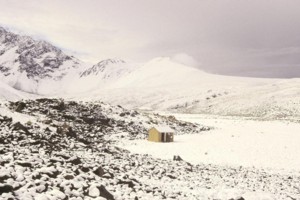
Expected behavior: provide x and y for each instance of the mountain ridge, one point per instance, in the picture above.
(160, 84)
(24, 59)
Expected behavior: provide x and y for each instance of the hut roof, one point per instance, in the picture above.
(164, 129)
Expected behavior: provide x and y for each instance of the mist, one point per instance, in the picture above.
(258, 38)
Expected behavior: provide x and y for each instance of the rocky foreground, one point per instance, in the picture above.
(51, 149)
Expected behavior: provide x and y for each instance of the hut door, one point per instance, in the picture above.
(168, 138)
(163, 137)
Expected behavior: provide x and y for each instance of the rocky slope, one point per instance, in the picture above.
(51, 149)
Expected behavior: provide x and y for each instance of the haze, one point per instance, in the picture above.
(246, 38)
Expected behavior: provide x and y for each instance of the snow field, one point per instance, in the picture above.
(237, 142)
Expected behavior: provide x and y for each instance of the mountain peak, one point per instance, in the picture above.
(33, 60)
(102, 65)
(160, 59)
(111, 61)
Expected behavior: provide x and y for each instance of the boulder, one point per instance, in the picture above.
(6, 188)
(20, 106)
(177, 158)
(104, 193)
(99, 171)
(18, 126)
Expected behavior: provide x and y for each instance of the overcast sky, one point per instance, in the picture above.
(237, 37)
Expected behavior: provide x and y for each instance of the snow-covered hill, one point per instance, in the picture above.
(165, 85)
(8, 93)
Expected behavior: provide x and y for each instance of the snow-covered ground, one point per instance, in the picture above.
(233, 142)
(40, 160)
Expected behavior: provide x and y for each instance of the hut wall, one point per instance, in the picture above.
(154, 135)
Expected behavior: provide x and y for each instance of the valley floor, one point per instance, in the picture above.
(233, 141)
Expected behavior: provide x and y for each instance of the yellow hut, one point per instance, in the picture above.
(161, 134)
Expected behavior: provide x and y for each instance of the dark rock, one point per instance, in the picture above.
(47, 121)
(104, 193)
(182, 124)
(63, 156)
(2, 141)
(38, 176)
(71, 133)
(44, 100)
(2, 150)
(88, 120)
(69, 177)
(105, 122)
(53, 160)
(171, 176)
(177, 158)
(25, 164)
(106, 150)
(60, 106)
(75, 161)
(47, 130)
(3, 178)
(84, 141)
(18, 126)
(20, 106)
(134, 113)
(6, 189)
(73, 103)
(99, 171)
(69, 117)
(129, 183)
(85, 169)
(6, 119)
(122, 114)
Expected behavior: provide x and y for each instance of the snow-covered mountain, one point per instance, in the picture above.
(160, 84)
(99, 76)
(31, 65)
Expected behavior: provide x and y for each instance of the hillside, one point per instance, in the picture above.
(164, 85)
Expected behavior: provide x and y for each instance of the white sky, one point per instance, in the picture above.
(240, 37)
